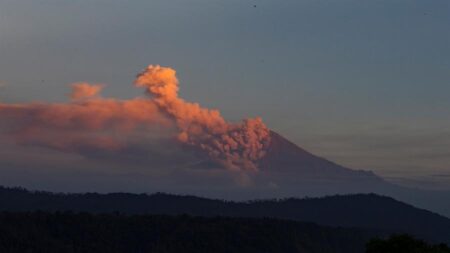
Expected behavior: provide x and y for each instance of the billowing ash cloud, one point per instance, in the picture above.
(90, 122)
(96, 123)
(84, 90)
(233, 145)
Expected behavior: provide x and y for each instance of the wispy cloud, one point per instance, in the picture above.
(442, 175)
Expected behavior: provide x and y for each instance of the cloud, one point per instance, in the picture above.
(441, 175)
(84, 90)
(80, 126)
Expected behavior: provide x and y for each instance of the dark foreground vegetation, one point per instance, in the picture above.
(69, 232)
(404, 244)
(367, 211)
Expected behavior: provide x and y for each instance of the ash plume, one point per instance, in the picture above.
(91, 122)
(236, 146)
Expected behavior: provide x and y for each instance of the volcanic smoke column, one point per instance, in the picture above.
(235, 146)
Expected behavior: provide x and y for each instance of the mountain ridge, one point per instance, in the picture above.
(368, 211)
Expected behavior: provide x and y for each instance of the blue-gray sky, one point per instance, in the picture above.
(363, 83)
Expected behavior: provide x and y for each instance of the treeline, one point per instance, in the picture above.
(43, 232)
(404, 244)
(83, 232)
(359, 210)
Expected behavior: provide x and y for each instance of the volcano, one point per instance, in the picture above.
(284, 160)
(164, 143)
(284, 155)
(293, 171)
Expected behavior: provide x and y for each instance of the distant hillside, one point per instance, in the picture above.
(361, 210)
(70, 233)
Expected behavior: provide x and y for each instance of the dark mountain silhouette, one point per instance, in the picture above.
(284, 159)
(286, 156)
(368, 211)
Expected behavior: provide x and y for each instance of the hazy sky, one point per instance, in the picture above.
(363, 83)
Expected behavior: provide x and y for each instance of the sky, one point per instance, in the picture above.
(362, 83)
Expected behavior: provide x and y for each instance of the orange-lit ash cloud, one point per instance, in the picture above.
(91, 122)
(236, 146)
(87, 124)
(84, 90)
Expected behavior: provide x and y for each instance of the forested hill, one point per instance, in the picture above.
(361, 210)
(83, 232)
